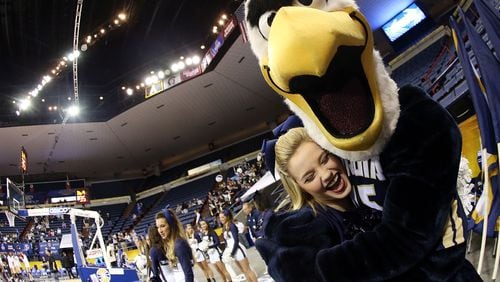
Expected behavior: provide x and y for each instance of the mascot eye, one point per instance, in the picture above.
(316, 4)
(265, 22)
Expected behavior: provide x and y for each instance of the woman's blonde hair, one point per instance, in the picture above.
(176, 232)
(285, 147)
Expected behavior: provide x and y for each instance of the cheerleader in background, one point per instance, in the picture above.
(198, 256)
(210, 246)
(234, 249)
(176, 248)
(156, 256)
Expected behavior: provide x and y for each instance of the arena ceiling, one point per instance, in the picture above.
(122, 136)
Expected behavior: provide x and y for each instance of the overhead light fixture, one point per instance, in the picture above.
(122, 16)
(73, 111)
(129, 91)
(196, 59)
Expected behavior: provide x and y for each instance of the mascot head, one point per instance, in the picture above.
(318, 55)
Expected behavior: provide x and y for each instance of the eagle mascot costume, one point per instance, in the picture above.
(401, 149)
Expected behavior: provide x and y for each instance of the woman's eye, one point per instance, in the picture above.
(265, 22)
(309, 179)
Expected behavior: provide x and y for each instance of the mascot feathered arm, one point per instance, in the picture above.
(421, 163)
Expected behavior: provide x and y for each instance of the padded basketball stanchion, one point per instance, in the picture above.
(11, 218)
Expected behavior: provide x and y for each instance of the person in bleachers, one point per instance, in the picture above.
(210, 246)
(178, 254)
(199, 256)
(234, 250)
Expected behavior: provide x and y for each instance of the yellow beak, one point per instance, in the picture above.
(305, 42)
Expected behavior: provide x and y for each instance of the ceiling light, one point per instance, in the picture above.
(18, 113)
(221, 22)
(181, 57)
(101, 98)
(137, 87)
(14, 101)
(196, 59)
(224, 17)
(24, 104)
(161, 75)
(69, 98)
(181, 65)
(116, 21)
(174, 67)
(50, 108)
(43, 100)
(102, 30)
(189, 61)
(122, 16)
(73, 111)
(148, 80)
(129, 91)
(123, 87)
(54, 108)
(202, 47)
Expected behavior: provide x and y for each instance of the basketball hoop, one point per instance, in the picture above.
(11, 218)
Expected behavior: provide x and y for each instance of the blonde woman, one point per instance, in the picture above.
(322, 213)
(176, 249)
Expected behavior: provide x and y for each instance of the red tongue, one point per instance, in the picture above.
(347, 109)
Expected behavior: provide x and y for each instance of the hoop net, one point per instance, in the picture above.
(11, 218)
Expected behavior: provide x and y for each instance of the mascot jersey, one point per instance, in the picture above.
(319, 56)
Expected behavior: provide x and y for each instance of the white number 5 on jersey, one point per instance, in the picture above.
(365, 191)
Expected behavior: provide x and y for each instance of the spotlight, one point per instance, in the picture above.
(18, 113)
(161, 75)
(148, 80)
(224, 17)
(50, 108)
(202, 47)
(122, 16)
(116, 21)
(181, 65)
(137, 87)
(221, 22)
(24, 104)
(73, 111)
(89, 39)
(101, 98)
(43, 100)
(189, 61)
(54, 108)
(181, 57)
(196, 59)
(167, 72)
(69, 98)
(102, 31)
(130, 91)
(84, 47)
(123, 87)
(174, 67)
(14, 101)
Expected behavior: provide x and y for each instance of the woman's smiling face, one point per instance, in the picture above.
(319, 173)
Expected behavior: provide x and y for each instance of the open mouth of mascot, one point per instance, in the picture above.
(341, 98)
